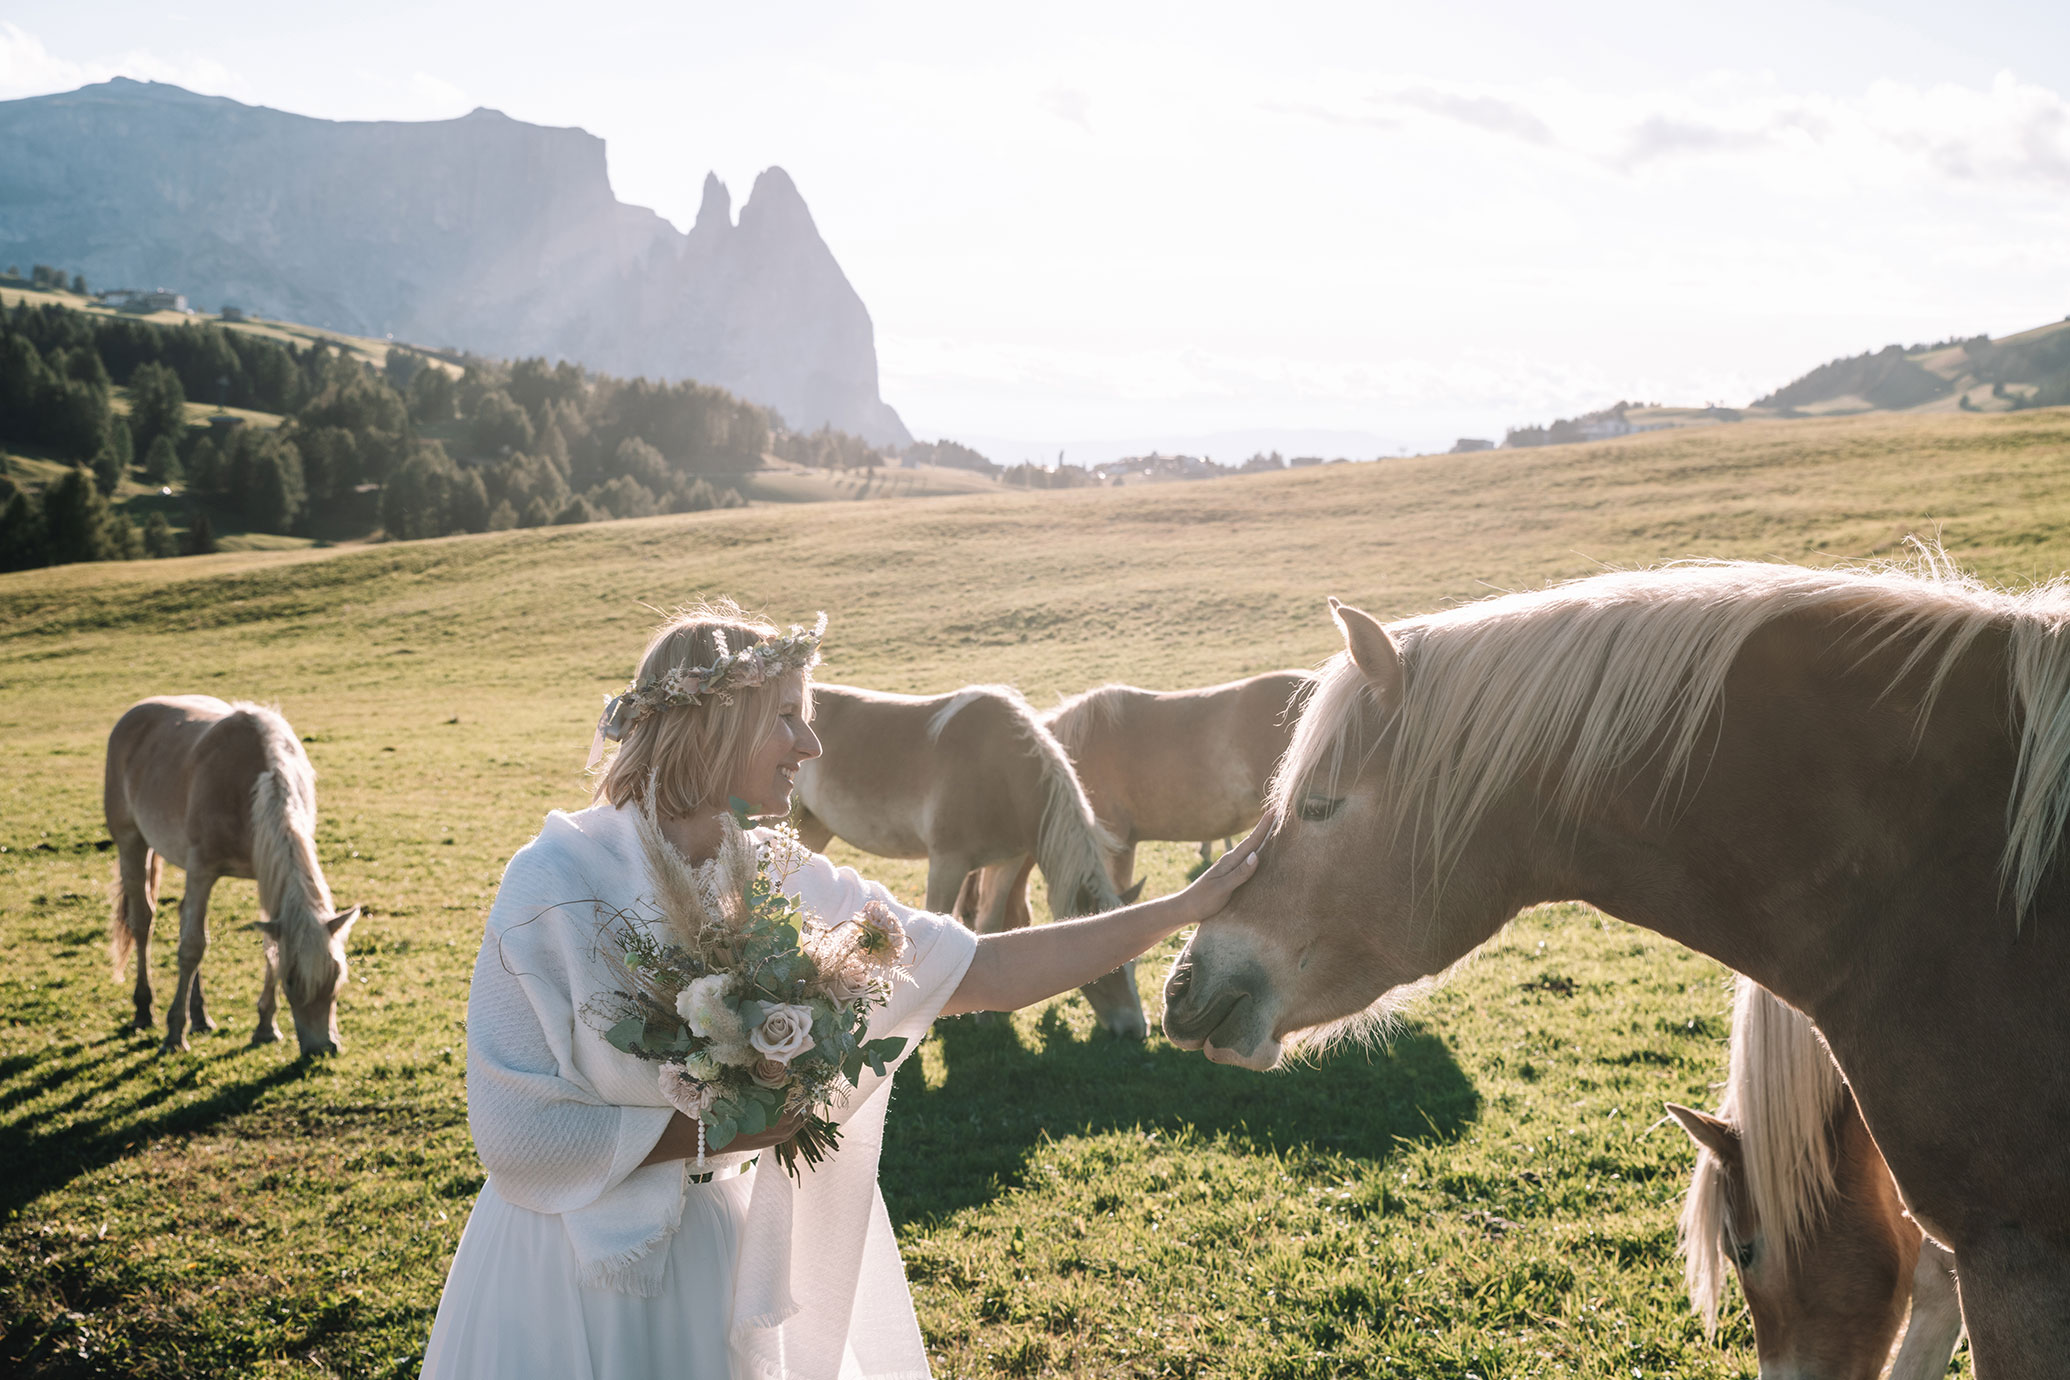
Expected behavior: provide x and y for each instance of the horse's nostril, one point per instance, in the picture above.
(1180, 980)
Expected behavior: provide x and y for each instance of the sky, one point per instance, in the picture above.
(1348, 229)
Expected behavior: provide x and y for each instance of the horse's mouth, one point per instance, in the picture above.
(1231, 1032)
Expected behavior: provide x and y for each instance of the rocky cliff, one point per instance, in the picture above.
(483, 233)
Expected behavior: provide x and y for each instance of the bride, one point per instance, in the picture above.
(605, 1245)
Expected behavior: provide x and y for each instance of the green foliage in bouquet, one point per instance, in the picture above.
(754, 1008)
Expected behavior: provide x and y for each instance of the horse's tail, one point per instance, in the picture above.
(122, 936)
(284, 822)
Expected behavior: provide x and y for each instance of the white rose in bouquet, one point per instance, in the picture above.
(785, 1032)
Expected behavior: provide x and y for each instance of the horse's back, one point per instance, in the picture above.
(1181, 764)
(908, 775)
(181, 769)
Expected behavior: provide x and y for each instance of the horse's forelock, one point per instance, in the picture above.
(1328, 734)
(1782, 1092)
(1702, 1232)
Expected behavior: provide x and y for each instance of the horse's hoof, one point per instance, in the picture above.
(201, 1027)
(266, 1035)
(171, 1046)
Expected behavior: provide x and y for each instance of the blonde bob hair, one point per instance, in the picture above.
(687, 756)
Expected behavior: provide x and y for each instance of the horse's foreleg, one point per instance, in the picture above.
(2015, 1286)
(1936, 1322)
(267, 1032)
(193, 948)
(1003, 897)
(197, 1010)
(945, 874)
(1121, 868)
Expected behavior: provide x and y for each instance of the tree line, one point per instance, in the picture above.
(433, 445)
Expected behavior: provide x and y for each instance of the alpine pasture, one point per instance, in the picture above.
(1491, 1194)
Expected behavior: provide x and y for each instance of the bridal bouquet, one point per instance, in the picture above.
(753, 1007)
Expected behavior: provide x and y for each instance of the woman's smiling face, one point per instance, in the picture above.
(766, 778)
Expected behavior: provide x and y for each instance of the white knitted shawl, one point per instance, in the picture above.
(562, 1120)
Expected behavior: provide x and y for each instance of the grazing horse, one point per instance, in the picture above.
(1849, 784)
(223, 790)
(962, 780)
(1163, 764)
(1790, 1190)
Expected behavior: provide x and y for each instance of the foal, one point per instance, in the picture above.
(223, 790)
(962, 780)
(1789, 1188)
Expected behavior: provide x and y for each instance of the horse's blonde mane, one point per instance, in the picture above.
(1071, 846)
(292, 889)
(1780, 1095)
(1588, 677)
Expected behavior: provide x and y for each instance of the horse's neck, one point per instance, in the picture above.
(1816, 809)
(291, 880)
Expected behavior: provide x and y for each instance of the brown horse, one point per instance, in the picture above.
(223, 790)
(1790, 1191)
(962, 780)
(1161, 764)
(1850, 785)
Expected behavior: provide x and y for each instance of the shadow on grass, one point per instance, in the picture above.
(58, 1144)
(958, 1145)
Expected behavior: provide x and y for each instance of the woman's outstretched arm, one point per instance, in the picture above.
(1019, 967)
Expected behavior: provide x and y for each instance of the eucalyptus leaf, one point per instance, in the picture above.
(626, 1034)
(754, 1119)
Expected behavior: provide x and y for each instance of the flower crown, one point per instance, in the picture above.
(751, 666)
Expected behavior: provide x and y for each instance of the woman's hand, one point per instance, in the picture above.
(768, 1136)
(1212, 889)
(679, 1140)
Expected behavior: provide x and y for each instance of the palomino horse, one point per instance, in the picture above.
(1789, 1189)
(1163, 764)
(1850, 785)
(962, 780)
(223, 790)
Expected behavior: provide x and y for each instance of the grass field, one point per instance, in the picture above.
(1492, 1195)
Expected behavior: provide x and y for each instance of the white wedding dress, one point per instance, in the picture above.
(570, 1267)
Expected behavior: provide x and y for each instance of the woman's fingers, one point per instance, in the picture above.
(1245, 854)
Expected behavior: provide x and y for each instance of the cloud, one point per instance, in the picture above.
(1306, 111)
(27, 68)
(1489, 114)
(1664, 136)
(1069, 104)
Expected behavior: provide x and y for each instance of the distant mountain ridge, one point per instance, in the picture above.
(484, 232)
(2029, 369)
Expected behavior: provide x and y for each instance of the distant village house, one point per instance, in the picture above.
(138, 300)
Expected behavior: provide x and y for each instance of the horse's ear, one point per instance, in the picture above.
(1372, 650)
(1714, 1134)
(1128, 898)
(341, 924)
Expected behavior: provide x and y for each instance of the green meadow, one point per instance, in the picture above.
(1491, 1194)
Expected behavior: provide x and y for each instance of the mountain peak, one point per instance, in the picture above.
(775, 205)
(715, 211)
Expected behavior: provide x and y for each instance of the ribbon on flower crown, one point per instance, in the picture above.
(745, 669)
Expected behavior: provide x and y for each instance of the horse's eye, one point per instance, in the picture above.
(1744, 1254)
(1315, 809)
